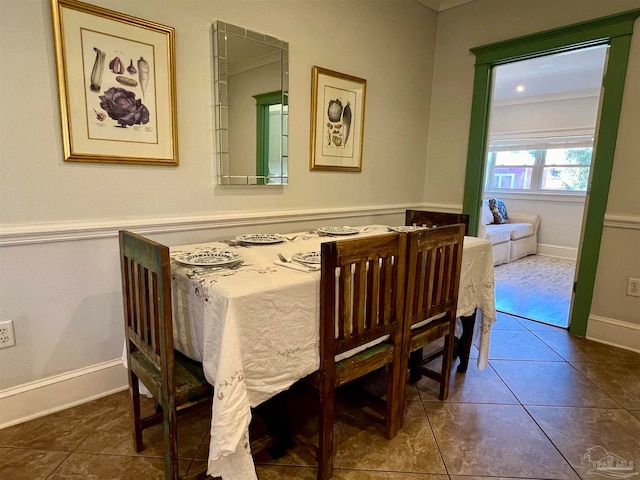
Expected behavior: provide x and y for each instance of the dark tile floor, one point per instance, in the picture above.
(548, 406)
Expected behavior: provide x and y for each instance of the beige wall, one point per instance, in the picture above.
(388, 43)
(487, 21)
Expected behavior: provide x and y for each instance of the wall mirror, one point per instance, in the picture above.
(251, 92)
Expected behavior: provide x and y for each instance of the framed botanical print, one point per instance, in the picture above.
(337, 120)
(116, 83)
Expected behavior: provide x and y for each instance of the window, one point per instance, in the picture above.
(557, 164)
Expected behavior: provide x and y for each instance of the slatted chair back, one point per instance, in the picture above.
(146, 280)
(176, 382)
(433, 280)
(361, 298)
(438, 219)
(361, 326)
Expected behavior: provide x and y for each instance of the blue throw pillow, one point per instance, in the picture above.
(503, 210)
(499, 211)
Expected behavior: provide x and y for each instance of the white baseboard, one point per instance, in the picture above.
(557, 251)
(614, 332)
(42, 397)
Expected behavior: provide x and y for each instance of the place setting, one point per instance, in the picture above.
(207, 260)
(302, 261)
(260, 238)
(408, 228)
(250, 239)
(340, 231)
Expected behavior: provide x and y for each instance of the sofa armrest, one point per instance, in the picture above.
(533, 218)
(482, 230)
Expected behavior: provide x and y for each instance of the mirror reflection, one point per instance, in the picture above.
(251, 106)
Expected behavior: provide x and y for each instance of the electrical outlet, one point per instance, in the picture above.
(633, 287)
(7, 337)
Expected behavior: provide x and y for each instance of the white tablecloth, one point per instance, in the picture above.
(477, 291)
(256, 331)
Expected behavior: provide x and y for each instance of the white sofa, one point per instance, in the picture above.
(513, 240)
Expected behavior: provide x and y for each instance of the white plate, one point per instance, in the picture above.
(407, 228)
(208, 258)
(260, 238)
(312, 258)
(338, 230)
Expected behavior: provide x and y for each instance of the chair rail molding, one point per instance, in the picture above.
(25, 234)
(625, 222)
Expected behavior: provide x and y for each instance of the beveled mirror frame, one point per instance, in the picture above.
(222, 31)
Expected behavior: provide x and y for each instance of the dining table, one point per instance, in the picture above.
(252, 319)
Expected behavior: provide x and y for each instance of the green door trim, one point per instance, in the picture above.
(263, 102)
(614, 30)
(574, 36)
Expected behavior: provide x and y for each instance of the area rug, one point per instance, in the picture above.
(537, 287)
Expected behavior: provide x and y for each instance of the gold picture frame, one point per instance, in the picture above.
(337, 120)
(116, 85)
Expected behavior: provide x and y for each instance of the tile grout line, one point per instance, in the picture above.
(58, 466)
(435, 438)
(524, 407)
(566, 361)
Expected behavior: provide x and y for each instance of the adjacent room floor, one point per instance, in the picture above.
(549, 406)
(536, 287)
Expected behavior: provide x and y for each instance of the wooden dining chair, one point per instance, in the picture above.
(438, 219)
(429, 218)
(361, 326)
(434, 259)
(176, 382)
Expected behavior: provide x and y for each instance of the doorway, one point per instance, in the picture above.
(615, 31)
(542, 121)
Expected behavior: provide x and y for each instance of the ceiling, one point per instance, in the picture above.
(562, 75)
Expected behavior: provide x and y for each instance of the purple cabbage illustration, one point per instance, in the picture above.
(121, 105)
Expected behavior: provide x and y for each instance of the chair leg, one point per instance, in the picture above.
(134, 399)
(395, 399)
(170, 426)
(447, 360)
(415, 361)
(325, 434)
